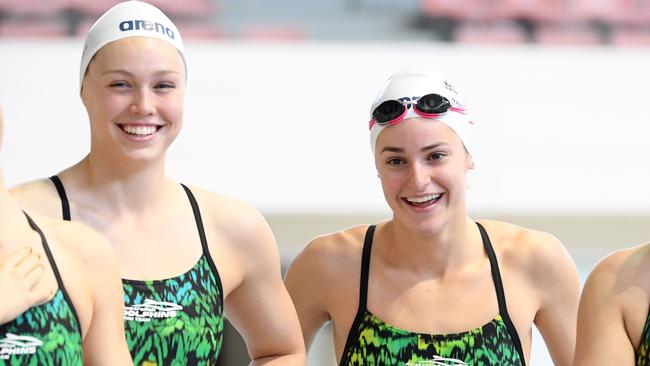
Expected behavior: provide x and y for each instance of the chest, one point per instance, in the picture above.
(433, 304)
(151, 245)
(406, 305)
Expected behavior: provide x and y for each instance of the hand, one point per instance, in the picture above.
(21, 287)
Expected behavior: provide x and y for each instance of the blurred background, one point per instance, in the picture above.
(279, 91)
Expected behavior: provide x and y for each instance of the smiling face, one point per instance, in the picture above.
(423, 165)
(133, 93)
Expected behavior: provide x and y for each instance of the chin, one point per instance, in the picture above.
(143, 156)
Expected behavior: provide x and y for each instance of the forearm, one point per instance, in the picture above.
(298, 359)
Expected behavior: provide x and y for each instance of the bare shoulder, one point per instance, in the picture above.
(88, 248)
(337, 246)
(621, 270)
(325, 274)
(333, 255)
(234, 220)
(538, 254)
(523, 244)
(520, 239)
(38, 196)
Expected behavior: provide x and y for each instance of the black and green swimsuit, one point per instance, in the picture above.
(47, 334)
(372, 342)
(175, 321)
(643, 351)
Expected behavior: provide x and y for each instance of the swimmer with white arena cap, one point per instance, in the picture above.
(431, 285)
(186, 255)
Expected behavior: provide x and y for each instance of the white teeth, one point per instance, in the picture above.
(424, 198)
(139, 130)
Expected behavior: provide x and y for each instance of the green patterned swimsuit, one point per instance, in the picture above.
(372, 342)
(47, 334)
(177, 321)
(643, 352)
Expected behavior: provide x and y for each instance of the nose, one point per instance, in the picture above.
(143, 103)
(418, 176)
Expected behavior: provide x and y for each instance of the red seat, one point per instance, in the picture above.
(555, 35)
(496, 10)
(185, 8)
(173, 8)
(194, 30)
(539, 11)
(631, 38)
(607, 11)
(22, 29)
(92, 8)
(494, 34)
(33, 7)
(455, 9)
(616, 12)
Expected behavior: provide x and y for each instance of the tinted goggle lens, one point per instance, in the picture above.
(392, 110)
(433, 104)
(388, 111)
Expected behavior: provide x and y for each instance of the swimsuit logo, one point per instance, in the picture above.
(151, 309)
(437, 361)
(129, 25)
(14, 344)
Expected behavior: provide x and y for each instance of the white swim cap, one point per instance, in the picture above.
(129, 19)
(408, 86)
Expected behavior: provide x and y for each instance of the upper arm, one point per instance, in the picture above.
(556, 280)
(260, 307)
(602, 335)
(38, 196)
(303, 279)
(104, 342)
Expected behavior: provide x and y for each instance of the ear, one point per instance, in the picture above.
(470, 162)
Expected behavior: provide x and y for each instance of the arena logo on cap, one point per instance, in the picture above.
(129, 25)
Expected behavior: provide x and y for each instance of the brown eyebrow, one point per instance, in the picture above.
(433, 146)
(424, 149)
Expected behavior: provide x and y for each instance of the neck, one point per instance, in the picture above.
(122, 187)
(13, 226)
(455, 245)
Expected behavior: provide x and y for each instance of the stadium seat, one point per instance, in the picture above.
(567, 35)
(490, 34)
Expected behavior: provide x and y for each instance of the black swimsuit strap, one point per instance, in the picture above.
(204, 240)
(65, 205)
(197, 219)
(498, 286)
(363, 293)
(365, 268)
(55, 269)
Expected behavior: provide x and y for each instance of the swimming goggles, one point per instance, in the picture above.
(391, 112)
